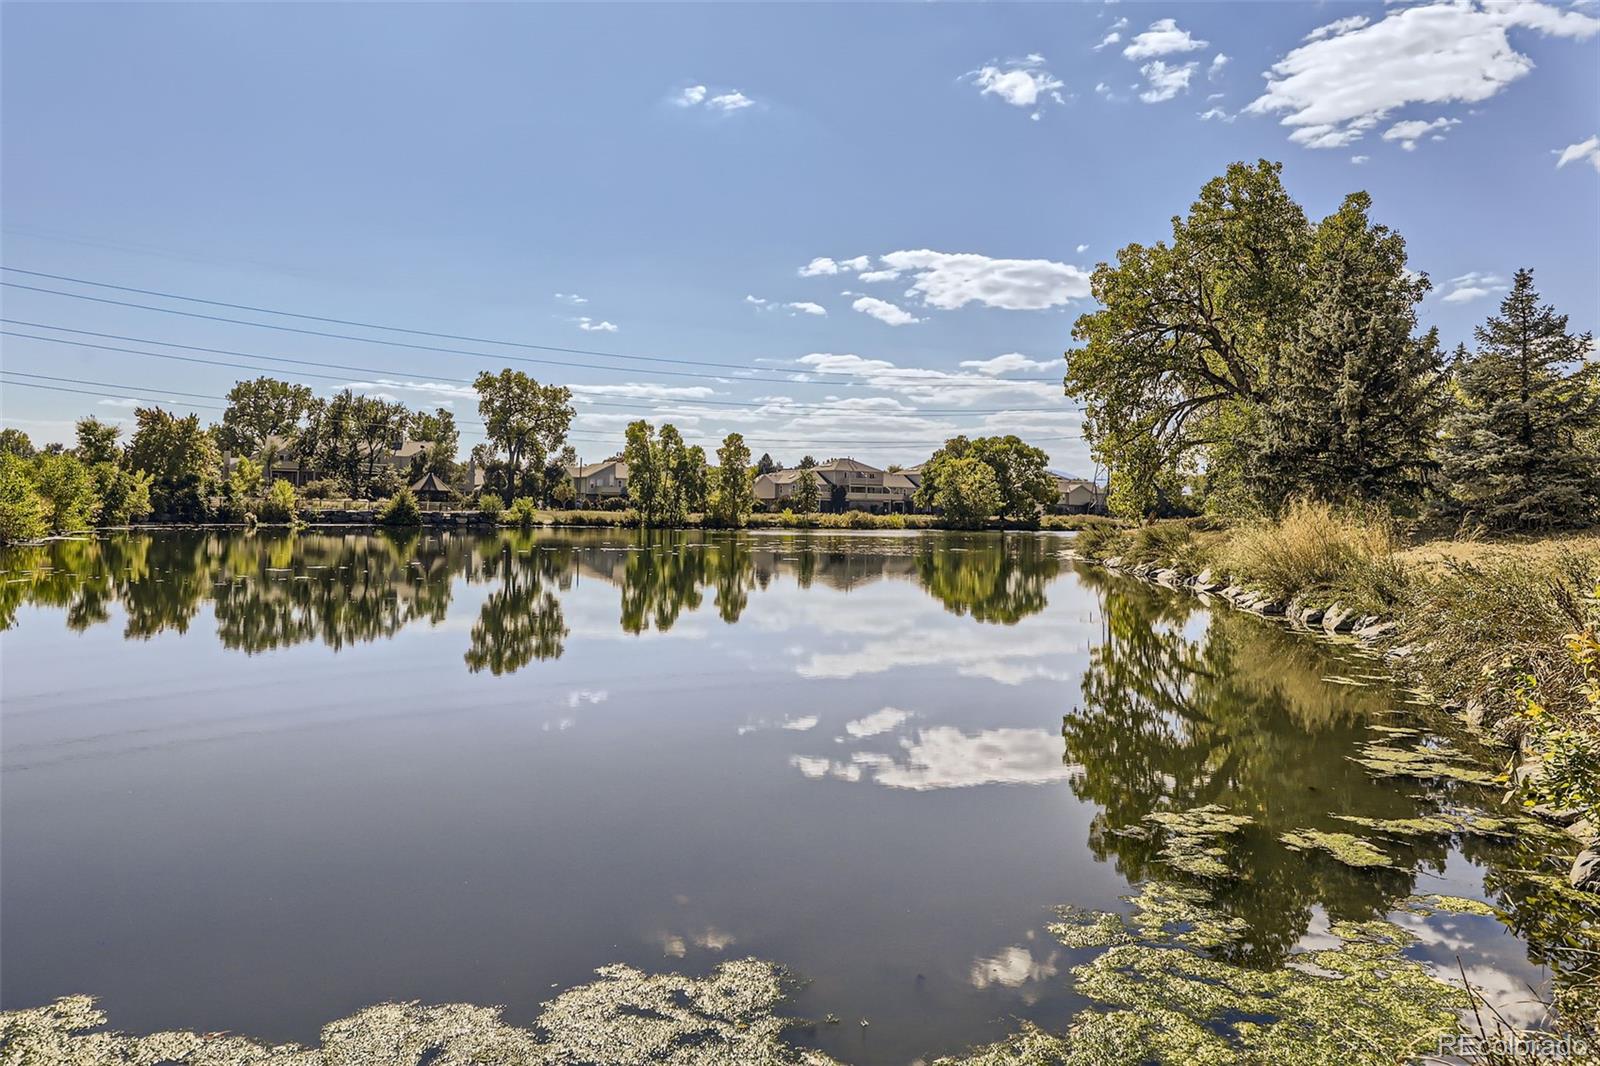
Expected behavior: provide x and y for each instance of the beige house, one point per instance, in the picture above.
(842, 485)
(595, 482)
(1079, 496)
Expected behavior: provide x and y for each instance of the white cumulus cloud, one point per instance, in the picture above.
(1409, 132)
(1161, 39)
(1163, 82)
(589, 325)
(1473, 285)
(1019, 82)
(698, 96)
(807, 307)
(948, 280)
(1008, 363)
(1339, 85)
(1583, 151)
(819, 266)
(884, 311)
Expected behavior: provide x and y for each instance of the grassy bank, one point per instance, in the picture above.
(789, 520)
(1505, 631)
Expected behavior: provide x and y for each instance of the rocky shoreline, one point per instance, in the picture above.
(1335, 620)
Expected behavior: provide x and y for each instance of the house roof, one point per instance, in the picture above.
(591, 469)
(430, 482)
(847, 464)
(895, 480)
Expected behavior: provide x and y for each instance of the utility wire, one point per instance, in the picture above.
(132, 391)
(809, 408)
(744, 373)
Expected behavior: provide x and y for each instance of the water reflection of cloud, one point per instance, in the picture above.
(585, 695)
(800, 724)
(1006, 656)
(880, 721)
(1012, 967)
(710, 939)
(945, 757)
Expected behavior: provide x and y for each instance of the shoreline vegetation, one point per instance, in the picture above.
(1503, 633)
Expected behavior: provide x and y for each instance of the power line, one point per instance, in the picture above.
(744, 372)
(132, 391)
(808, 408)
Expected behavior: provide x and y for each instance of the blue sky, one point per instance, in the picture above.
(905, 188)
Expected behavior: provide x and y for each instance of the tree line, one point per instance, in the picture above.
(1259, 357)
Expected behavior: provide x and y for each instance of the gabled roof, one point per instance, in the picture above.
(594, 468)
(430, 482)
(848, 464)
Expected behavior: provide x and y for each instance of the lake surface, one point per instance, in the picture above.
(256, 782)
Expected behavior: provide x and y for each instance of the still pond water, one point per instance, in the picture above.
(255, 783)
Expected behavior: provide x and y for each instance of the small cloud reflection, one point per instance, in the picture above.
(1013, 967)
(876, 722)
(945, 757)
(710, 939)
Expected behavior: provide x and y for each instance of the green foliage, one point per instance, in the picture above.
(347, 437)
(807, 491)
(15, 442)
(67, 488)
(491, 504)
(259, 409)
(280, 504)
(1256, 342)
(665, 479)
(401, 510)
(1351, 412)
(437, 430)
(321, 489)
(734, 496)
(97, 440)
(968, 492)
(244, 483)
(22, 509)
(181, 459)
(1520, 444)
(124, 494)
(1569, 745)
(523, 513)
(525, 420)
(1024, 484)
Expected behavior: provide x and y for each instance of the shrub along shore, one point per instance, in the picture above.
(1505, 634)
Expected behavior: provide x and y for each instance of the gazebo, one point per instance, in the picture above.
(430, 488)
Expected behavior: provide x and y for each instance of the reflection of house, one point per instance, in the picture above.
(842, 485)
(600, 481)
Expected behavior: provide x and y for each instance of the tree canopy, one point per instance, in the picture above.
(1023, 484)
(525, 420)
(1520, 444)
(1198, 356)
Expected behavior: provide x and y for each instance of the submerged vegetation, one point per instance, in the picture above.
(626, 1018)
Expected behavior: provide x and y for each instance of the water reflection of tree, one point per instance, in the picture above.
(1239, 717)
(281, 590)
(521, 620)
(991, 579)
(666, 575)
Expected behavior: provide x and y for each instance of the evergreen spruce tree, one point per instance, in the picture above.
(1519, 443)
(1353, 407)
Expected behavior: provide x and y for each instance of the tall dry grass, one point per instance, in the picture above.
(1314, 548)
